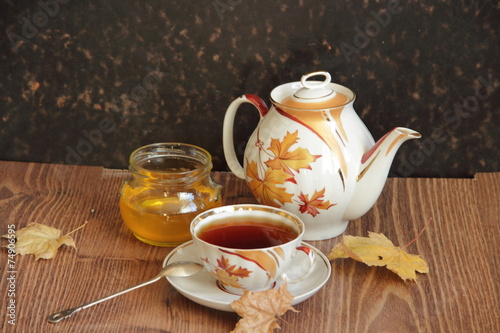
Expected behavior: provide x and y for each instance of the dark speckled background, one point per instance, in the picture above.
(139, 72)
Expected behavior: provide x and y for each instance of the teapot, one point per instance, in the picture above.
(312, 155)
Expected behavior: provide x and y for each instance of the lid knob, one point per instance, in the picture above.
(314, 91)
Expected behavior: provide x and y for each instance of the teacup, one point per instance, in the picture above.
(252, 247)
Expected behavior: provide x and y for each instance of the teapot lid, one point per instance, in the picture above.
(314, 91)
(312, 95)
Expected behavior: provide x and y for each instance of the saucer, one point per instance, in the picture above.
(202, 288)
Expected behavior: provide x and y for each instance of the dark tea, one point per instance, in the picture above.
(247, 235)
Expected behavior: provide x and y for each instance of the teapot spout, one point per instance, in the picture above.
(375, 165)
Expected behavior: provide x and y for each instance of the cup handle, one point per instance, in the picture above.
(312, 262)
(227, 130)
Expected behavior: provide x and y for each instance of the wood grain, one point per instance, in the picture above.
(460, 293)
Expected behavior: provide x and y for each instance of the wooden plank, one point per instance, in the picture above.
(460, 245)
(454, 297)
(488, 198)
(54, 195)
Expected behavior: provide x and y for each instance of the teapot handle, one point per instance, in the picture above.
(227, 130)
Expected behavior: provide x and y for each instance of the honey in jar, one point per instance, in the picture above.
(170, 184)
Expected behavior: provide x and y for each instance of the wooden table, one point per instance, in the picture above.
(460, 293)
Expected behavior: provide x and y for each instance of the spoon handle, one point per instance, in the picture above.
(58, 316)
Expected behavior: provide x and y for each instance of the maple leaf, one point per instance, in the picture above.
(261, 310)
(41, 240)
(231, 269)
(316, 202)
(227, 279)
(286, 159)
(378, 250)
(266, 189)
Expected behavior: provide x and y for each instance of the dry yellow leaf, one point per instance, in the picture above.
(41, 240)
(378, 250)
(260, 310)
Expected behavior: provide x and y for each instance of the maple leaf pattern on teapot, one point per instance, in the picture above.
(283, 164)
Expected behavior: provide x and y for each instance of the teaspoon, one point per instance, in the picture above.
(180, 268)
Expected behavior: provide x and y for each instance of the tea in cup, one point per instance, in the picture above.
(252, 247)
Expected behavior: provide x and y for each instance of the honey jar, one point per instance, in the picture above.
(170, 184)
